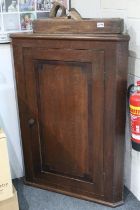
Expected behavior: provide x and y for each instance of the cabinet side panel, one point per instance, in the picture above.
(109, 119)
(23, 107)
(121, 93)
(115, 98)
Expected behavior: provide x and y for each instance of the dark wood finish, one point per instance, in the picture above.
(83, 26)
(71, 94)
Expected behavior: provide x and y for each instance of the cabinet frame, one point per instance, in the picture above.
(115, 79)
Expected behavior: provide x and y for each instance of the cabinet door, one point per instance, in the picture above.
(64, 108)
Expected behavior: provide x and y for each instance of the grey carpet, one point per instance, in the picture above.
(31, 198)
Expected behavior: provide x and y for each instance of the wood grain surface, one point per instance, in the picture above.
(71, 95)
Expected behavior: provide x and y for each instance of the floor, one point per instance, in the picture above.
(36, 199)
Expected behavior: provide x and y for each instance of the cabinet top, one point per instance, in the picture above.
(100, 37)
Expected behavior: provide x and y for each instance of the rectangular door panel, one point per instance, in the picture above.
(62, 117)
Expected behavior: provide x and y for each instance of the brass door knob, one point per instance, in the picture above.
(31, 122)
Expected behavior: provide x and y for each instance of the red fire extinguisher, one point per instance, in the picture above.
(134, 105)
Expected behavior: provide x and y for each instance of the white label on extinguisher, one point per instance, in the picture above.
(135, 124)
(135, 136)
(137, 128)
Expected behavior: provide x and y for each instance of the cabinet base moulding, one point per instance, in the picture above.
(75, 195)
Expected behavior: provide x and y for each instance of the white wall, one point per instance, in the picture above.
(8, 111)
(88, 8)
(130, 10)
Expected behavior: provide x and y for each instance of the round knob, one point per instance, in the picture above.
(31, 122)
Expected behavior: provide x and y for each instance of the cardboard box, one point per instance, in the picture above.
(6, 188)
(11, 203)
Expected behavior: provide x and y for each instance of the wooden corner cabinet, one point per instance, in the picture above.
(71, 95)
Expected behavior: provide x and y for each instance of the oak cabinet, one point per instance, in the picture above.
(71, 95)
